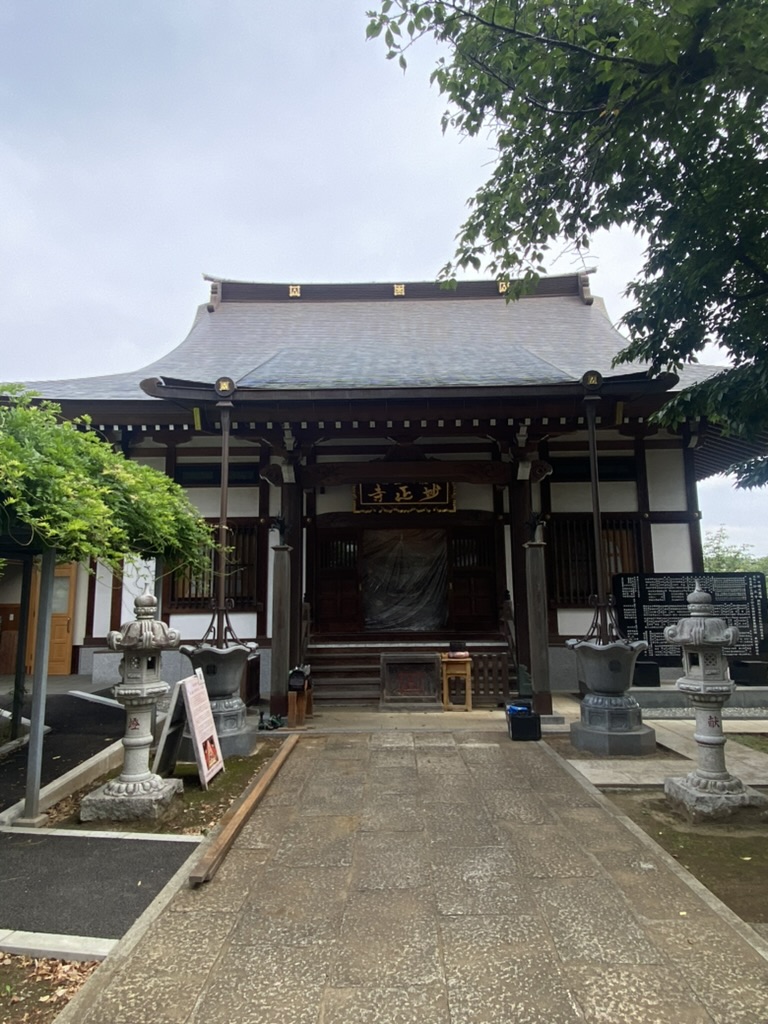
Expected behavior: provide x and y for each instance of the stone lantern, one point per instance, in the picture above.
(138, 792)
(709, 791)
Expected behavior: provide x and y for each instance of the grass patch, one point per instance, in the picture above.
(753, 740)
(196, 812)
(729, 857)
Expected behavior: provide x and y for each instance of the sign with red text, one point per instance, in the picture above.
(201, 727)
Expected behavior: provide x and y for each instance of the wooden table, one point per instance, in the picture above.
(457, 668)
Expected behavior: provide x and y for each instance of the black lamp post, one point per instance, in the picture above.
(221, 655)
(610, 721)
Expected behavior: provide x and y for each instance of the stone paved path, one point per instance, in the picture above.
(434, 878)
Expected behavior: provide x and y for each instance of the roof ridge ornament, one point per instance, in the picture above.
(584, 290)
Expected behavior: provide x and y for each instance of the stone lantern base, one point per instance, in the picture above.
(120, 801)
(702, 799)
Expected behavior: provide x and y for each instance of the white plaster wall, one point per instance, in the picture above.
(615, 496)
(193, 626)
(10, 584)
(478, 497)
(137, 576)
(573, 622)
(671, 547)
(336, 499)
(102, 601)
(80, 623)
(241, 501)
(666, 480)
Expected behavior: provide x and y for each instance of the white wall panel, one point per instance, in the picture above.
(666, 480)
(615, 496)
(671, 547)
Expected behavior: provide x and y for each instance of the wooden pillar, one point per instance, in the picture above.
(281, 627)
(292, 513)
(519, 516)
(538, 627)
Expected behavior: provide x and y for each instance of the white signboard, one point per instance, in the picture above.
(202, 727)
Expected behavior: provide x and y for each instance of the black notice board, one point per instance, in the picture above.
(647, 602)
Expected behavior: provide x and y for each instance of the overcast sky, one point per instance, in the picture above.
(146, 142)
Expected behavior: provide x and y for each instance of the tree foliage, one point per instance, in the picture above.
(604, 113)
(76, 494)
(721, 555)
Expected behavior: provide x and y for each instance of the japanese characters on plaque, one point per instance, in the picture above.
(648, 602)
(404, 497)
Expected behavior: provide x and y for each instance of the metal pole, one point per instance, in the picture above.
(221, 557)
(597, 525)
(21, 650)
(39, 685)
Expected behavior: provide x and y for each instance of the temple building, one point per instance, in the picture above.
(408, 444)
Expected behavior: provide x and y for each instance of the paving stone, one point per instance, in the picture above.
(332, 795)
(387, 938)
(265, 828)
(416, 1004)
(393, 779)
(591, 923)
(319, 841)
(734, 995)
(389, 740)
(598, 832)
(382, 813)
(480, 753)
(440, 789)
(441, 761)
(265, 985)
(141, 996)
(653, 891)
(390, 860)
(503, 898)
(460, 824)
(393, 757)
(432, 740)
(646, 995)
(527, 990)
(517, 807)
(702, 939)
(170, 945)
(486, 887)
(294, 907)
(544, 851)
(489, 941)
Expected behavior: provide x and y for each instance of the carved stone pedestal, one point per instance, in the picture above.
(710, 791)
(222, 670)
(137, 792)
(611, 721)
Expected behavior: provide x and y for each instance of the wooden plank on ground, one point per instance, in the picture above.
(235, 818)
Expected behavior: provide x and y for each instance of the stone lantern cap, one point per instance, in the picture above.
(145, 632)
(701, 628)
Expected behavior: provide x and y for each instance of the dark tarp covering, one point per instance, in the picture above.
(405, 580)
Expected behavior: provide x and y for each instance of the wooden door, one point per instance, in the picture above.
(337, 584)
(62, 614)
(472, 588)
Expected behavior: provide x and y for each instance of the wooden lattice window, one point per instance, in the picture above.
(571, 556)
(188, 591)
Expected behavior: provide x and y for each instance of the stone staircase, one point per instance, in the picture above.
(347, 670)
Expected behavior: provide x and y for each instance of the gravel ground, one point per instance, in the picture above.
(688, 713)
